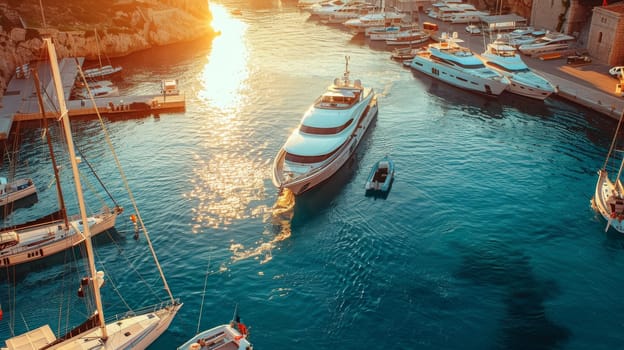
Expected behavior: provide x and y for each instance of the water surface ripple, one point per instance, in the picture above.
(486, 241)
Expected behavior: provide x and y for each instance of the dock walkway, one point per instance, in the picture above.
(20, 102)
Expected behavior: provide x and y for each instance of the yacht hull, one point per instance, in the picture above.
(519, 88)
(456, 77)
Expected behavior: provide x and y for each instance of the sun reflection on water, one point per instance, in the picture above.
(280, 229)
(230, 170)
(226, 72)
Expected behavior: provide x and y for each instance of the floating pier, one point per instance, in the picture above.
(20, 101)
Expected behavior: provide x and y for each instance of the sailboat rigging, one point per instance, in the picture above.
(136, 331)
(56, 232)
(608, 198)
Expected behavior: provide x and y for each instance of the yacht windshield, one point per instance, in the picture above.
(324, 131)
(510, 69)
(295, 158)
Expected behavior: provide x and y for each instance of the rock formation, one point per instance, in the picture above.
(130, 26)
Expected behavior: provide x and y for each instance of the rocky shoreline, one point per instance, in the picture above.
(142, 28)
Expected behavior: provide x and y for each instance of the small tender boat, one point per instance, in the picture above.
(380, 177)
(220, 337)
(232, 336)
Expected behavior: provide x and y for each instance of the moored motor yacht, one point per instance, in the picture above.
(458, 66)
(375, 19)
(522, 80)
(347, 12)
(327, 136)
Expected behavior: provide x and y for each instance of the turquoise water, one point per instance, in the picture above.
(486, 241)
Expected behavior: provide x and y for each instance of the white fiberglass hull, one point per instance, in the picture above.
(611, 210)
(460, 78)
(47, 239)
(135, 332)
(525, 83)
(306, 181)
(519, 87)
(223, 336)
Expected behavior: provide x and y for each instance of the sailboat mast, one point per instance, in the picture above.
(56, 75)
(51, 149)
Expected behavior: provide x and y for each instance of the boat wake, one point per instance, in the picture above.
(281, 216)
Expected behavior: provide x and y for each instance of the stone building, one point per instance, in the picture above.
(606, 34)
(569, 17)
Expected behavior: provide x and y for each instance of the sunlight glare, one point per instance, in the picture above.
(226, 72)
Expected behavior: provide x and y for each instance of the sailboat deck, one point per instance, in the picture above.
(35, 339)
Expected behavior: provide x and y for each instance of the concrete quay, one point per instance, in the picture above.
(20, 101)
(588, 85)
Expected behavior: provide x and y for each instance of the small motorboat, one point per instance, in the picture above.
(380, 178)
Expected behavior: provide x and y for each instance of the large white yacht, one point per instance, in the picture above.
(327, 136)
(549, 43)
(458, 66)
(349, 11)
(522, 80)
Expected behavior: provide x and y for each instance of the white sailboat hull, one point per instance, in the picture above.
(50, 238)
(135, 332)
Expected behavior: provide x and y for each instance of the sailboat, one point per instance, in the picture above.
(56, 232)
(135, 331)
(608, 198)
(101, 71)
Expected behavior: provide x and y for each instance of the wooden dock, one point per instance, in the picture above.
(117, 106)
(20, 101)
